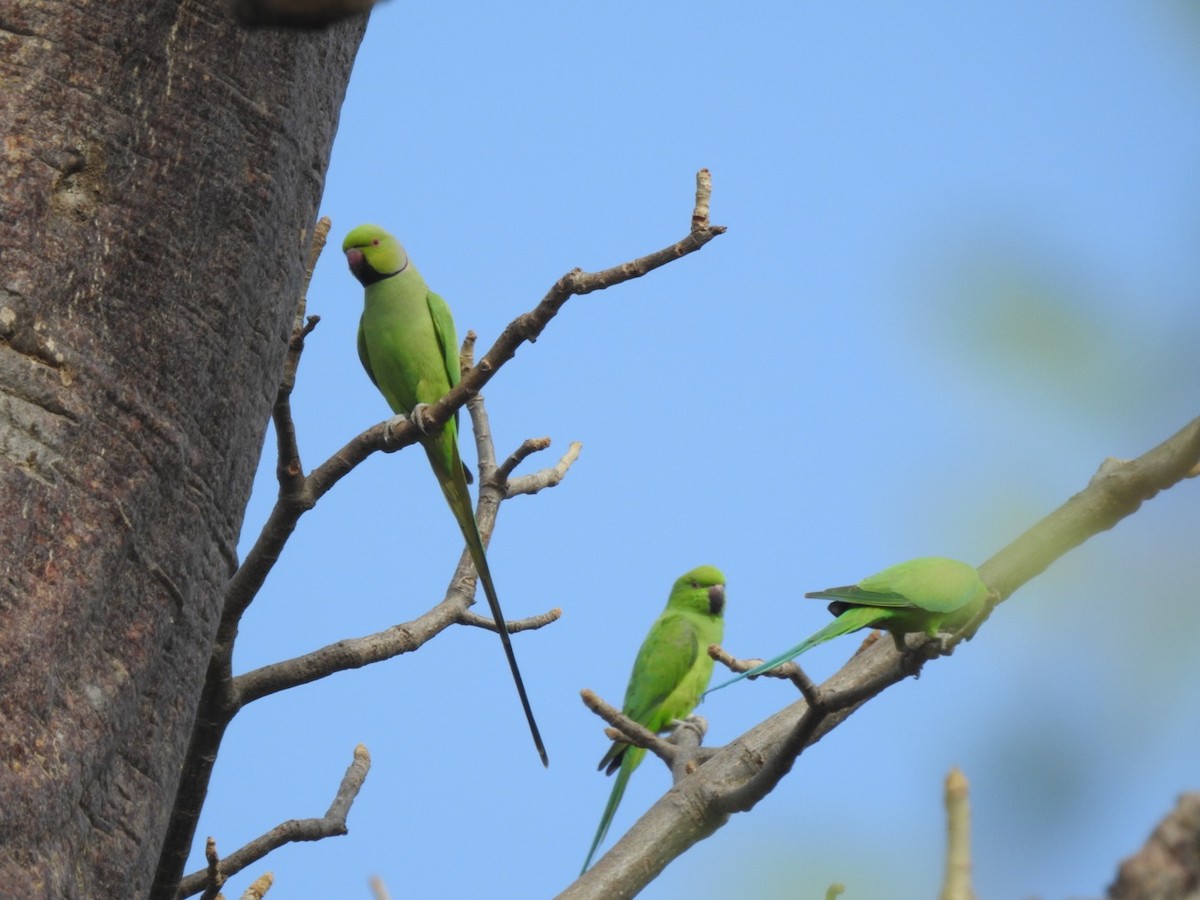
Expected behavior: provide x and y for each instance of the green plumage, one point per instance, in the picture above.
(928, 594)
(669, 675)
(407, 344)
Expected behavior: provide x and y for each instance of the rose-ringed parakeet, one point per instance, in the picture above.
(928, 594)
(407, 344)
(669, 675)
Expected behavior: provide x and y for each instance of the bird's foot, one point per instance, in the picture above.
(417, 416)
(698, 724)
(914, 656)
(390, 426)
(911, 661)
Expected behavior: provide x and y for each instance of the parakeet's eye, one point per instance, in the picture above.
(695, 584)
(375, 243)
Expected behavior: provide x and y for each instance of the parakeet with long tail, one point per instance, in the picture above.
(407, 344)
(928, 594)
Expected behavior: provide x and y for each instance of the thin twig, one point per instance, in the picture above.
(628, 731)
(528, 447)
(529, 623)
(331, 824)
(545, 478)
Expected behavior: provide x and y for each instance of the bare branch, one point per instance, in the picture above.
(546, 478)
(528, 447)
(350, 653)
(354, 653)
(956, 884)
(530, 623)
(627, 730)
(745, 770)
(790, 670)
(331, 824)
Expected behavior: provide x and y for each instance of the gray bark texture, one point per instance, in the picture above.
(161, 174)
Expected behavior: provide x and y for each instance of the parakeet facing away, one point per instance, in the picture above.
(407, 344)
(927, 594)
(670, 672)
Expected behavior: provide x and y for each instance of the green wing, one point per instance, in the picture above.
(443, 326)
(667, 656)
(363, 356)
(932, 583)
(663, 663)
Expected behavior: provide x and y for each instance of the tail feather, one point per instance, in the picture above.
(852, 619)
(633, 756)
(454, 486)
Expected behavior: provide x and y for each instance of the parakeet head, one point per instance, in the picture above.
(701, 590)
(373, 254)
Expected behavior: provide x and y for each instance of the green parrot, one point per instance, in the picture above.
(928, 594)
(407, 344)
(670, 672)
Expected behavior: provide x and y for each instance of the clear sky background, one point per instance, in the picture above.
(961, 270)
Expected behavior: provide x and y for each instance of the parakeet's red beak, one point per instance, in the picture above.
(357, 261)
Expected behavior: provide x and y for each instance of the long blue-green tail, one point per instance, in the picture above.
(454, 487)
(852, 619)
(629, 762)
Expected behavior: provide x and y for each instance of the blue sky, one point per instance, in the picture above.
(960, 271)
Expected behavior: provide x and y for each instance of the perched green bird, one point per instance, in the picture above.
(407, 344)
(670, 673)
(928, 594)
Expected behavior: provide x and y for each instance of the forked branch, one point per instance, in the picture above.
(332, 823)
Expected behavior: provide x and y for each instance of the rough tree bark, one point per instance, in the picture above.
(162, 171)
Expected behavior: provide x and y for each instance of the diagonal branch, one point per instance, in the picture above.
(741, 773)
(333, 823)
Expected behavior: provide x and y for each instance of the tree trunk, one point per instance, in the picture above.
(162, 171)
